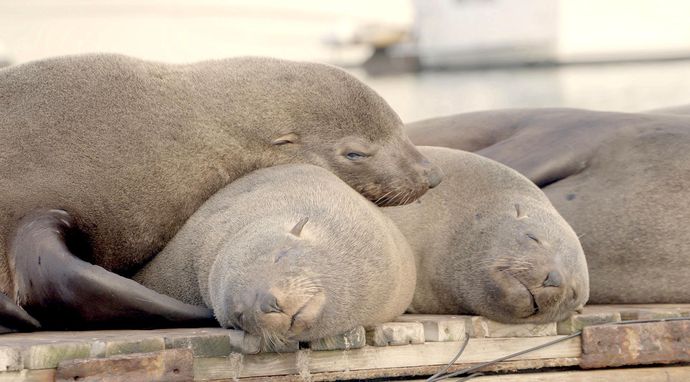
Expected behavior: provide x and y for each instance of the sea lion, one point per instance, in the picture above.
(679, 110)
(494, 246)
(621, 180)
(288, 253)
(129, 149)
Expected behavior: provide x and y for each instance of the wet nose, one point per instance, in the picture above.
(268, 303)
(242, 305)
(433, 173)
(553, 279)
(435, 178)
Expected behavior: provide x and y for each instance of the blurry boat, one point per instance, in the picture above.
(491, 33)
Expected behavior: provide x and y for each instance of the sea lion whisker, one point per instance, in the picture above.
(392, 199)
(383, 196)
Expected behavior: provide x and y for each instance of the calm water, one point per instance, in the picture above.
(620, 87)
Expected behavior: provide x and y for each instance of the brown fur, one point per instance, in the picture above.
(131, 148)
(621, 180)
(348, 265)
(485, 241)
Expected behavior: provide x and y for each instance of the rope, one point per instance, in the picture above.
(441, 374)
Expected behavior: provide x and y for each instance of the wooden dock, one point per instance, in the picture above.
(414, 346)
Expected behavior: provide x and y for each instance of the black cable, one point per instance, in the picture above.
(439, 376)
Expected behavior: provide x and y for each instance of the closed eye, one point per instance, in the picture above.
(531, 236)
(355, 155)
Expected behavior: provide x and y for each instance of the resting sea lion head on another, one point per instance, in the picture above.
(284, 294)
(290, 253)
(494, 246)
(313, 280)
(331, 119)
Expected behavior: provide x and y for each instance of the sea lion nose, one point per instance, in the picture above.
(435, 178)
(268, 303)
(553, 279)
(433, 173)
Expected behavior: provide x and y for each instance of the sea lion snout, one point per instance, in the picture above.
(553, 279)
(533, 293)
(432, 172)
(278, 314)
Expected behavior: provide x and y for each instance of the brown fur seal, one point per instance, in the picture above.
(621, 180)
(487, 241)
(130, 149)
(288, 253)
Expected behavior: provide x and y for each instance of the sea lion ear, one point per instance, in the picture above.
(286, 138)
(297, 229)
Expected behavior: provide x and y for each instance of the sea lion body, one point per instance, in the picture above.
(621, 180)
(130, 148)
(239, 254)
(487, 241)
(676, 110)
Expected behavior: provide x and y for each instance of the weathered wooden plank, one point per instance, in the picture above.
(483, 327)
(636, 344)
(438, 353)
(167, 365)
(652, 314)
(641, 311)
(506, 366)
(578, 321)
(48, 356)
(10, 359)
(255, 365)
(352, 339)
(42, 350)
(440, 328)
(395, 334)
(115, 347)
(370, 357)
(651, 374)
(43, 375)
(596, 308)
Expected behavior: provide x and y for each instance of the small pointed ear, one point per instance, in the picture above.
(297, 229)
(286, 138)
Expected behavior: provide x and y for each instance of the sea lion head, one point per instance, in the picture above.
(488, 241)
(304, 284)
(529, 265)
(337, 122)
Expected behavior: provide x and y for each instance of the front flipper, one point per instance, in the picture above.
(543, 155)
(13, 318)
(65, 292)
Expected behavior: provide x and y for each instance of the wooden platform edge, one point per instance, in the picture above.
(506, 366)
(370, 360)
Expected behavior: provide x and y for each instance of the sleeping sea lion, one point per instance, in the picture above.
(622, 181)
(129, 149)
(288, 253)
(493, 246)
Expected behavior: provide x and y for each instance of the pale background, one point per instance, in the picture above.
(187, 31)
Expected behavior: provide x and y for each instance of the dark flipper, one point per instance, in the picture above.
(543, 155)
(13, 318)
(65, 292)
